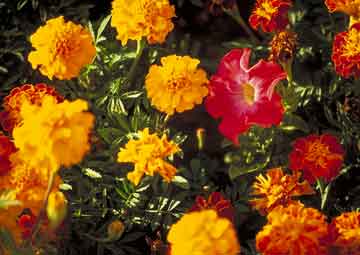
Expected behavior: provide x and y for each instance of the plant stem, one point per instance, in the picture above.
(235, 14)
(42, 212)
(324, 192)
(139, 50)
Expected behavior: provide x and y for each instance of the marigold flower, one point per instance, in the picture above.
(283, 47)
(7, 148)
(317, 156)
(217, 202)
(270, 15)
(61, 49)
(293, 230)
(203, 233)
(177, 85)
(29, 186)
(346, 229)
(12, 103)
(54, 134)
(346, 52)
(277, 188)
(148, 153)
(349, 7)
(142, 18)
(244, 96)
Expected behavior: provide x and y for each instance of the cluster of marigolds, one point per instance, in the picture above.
(45, 132)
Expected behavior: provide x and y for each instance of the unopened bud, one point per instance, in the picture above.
(56, 208)
(115, 230)
(200, 135)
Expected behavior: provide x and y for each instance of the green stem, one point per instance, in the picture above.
(139, 50)
(42, 212)
(324, 192)
(235, 14)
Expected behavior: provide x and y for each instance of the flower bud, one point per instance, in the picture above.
(115, 230)
(56, 208)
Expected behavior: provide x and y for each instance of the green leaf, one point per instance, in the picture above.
(293, 122)
(102, 27)
(8, 198)
(181, 182)
(91, 173)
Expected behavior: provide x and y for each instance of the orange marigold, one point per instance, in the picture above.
(317, 156)
(293, 230)
(7, 148)
(12, 103)
(283, 47)
(350, 7)
(178, 85)
(28, 186)
(346, 230)
(203, 233)
(148, 153)
(54, 134)
(62, 49)
(270, 15)
(346, 52)
(277, 188)
(142, 18)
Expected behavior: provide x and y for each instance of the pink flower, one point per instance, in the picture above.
(244, 96)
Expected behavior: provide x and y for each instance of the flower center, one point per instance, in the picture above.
(64, 47)
(176, 83)
(266, 10)
(352, 43)
(320, 154)
(248, 93)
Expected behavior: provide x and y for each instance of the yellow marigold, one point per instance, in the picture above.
(277, 188)
(283, 46)
(142, 18)
(148, 153)
(203, 233)
(54, 134)
(346, 229)
(293, 230)
(177, 85)
(61, 49)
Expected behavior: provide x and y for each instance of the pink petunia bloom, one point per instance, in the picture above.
(244, 96)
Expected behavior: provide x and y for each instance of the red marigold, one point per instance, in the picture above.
(346, 52)
(244, 96)
(10, 117)
(350, 7)
(217, 202)
(271, 15)
(7, 148)
(317, 156)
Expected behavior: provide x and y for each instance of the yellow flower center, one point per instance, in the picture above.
(352, 45)
(265, 10)
(248, 93)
